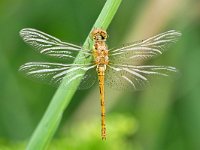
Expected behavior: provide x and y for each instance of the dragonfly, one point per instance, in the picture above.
(118, 68)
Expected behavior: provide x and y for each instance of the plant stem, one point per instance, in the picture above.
(51, 119)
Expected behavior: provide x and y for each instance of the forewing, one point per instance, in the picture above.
(49, 45)
(134, 77)
(53, 73)
(132, 53)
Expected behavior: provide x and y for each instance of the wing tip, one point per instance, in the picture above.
(23, 32)
(174, 32)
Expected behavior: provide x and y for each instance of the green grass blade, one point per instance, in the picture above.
(51, 119)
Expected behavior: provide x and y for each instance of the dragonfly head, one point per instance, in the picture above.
(99, 35)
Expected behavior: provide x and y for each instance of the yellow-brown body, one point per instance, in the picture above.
(100, 54)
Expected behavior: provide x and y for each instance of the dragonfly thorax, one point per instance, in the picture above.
(100, 53)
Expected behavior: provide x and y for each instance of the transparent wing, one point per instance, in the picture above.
(49, 45)
(53, 73)
(89, 79)
(134, 77)
(132, 53)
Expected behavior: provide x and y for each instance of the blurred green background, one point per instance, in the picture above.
(165, 116)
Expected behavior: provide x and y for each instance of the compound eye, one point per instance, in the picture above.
(104, 35)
